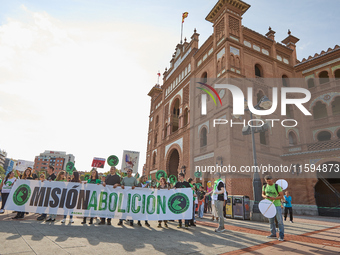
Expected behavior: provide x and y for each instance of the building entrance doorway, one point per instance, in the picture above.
(173, 164)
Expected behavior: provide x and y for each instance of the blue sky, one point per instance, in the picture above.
(88, 66)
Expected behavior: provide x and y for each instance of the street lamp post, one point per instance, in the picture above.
(264, 103)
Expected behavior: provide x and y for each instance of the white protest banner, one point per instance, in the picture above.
(92, 200)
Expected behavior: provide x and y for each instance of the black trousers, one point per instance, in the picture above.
(290, 210)
(4, 199)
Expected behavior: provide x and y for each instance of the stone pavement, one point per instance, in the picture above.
(307, 235)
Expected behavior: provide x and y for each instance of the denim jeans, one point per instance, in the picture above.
(201, 210)
(280, 223)
(71, 216)
(193, 212)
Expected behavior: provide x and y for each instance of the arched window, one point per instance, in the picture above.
(156, 139)
(165, 129)
(258, 71)
(292, 139)
(232, 60)
(203, 138)
(324, 136)
(222, 63)
(310, 83)
(323, 77)
(336, 106)
(319, 110)
(154, 159)
(285, 81)
(157, 119)
(175, 116)
(204, 77)
(186, 116)
(338, 134)
(337, 74)
(237, 62)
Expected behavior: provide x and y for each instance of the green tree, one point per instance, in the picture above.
(2, 172)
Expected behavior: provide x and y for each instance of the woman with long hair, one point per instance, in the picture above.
(142, 184)
(74, 178)
(163, 185)
(5, 188)
(61, 176)
(94, 179)
(27, 175)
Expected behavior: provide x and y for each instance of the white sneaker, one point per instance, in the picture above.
(291, 221)
(280, 239)
(2, 211)
(71, 221)
(63, 221)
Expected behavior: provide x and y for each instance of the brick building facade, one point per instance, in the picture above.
(180, 137)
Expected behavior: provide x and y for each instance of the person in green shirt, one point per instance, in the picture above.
(93, 180)
(129, 181)
(274, 193)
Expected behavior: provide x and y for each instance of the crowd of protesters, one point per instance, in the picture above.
(210, 199)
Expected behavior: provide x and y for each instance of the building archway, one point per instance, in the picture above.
(173, 163)
(327, 201)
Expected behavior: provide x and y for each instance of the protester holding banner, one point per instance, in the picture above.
(27, 175)
(129, 181)
(5, 187)
(273, 192)
(163, 185)
(113, 179)
(74, 178)
(201, 198)
(142, 184)
(51, 177)
(182, 184)
(193, 187)
(94, 179)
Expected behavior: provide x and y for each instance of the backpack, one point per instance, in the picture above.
(276, 187)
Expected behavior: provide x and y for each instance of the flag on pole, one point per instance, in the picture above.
(159, 74)
(185, 15)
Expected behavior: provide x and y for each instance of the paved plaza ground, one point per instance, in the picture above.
(307, 235)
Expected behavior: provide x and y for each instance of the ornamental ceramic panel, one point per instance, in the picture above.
(234, 50)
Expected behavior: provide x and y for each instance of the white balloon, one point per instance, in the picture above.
(267, 208)
(282, 183)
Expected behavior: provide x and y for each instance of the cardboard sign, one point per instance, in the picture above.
(98, 162)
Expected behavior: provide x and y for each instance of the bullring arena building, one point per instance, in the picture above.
(180, 138)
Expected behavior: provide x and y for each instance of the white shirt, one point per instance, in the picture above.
(6, 188)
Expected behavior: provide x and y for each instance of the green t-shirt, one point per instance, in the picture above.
(132, 181)
(271, 192)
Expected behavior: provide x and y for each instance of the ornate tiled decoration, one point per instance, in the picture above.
(294, 129)
(331, 129)
(335, 68)
(220, 54)
(179, 142)
(234, 50)
(309, 76)
(314, 161)
(326, 98)
(203, 124)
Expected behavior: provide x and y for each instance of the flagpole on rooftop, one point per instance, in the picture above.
(184, 16)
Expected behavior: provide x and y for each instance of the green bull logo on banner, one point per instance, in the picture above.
(99, 201)
(22, 194)
(178, 203)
